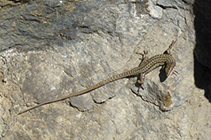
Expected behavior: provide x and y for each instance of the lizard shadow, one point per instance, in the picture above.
(162, 77)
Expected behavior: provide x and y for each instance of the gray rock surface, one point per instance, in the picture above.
(50, 49)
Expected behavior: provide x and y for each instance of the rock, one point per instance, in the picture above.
(50, 49)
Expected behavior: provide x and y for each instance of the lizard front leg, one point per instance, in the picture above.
(171, 46)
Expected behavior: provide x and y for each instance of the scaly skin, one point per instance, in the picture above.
(145, 67)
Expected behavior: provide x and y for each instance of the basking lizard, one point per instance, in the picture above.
(147, 65)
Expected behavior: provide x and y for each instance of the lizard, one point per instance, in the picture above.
(147, 65)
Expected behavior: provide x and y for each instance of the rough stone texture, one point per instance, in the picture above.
(53, 48)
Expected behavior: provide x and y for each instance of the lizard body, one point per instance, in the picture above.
(145, 67)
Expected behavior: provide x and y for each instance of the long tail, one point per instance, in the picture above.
(103, 82)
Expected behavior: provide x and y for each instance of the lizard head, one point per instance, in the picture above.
(169, 68)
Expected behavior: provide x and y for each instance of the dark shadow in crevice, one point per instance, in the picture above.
(202, 24)
(202, 77)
